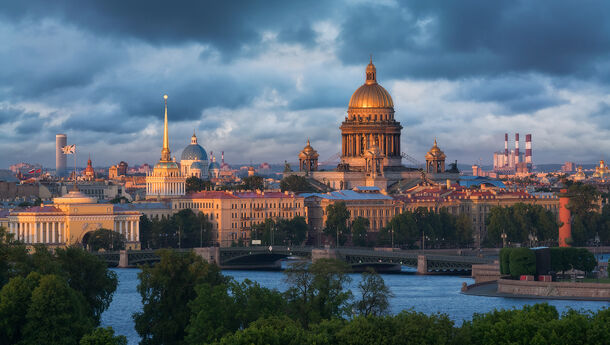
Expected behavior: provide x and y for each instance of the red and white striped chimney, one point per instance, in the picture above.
(528, 148)
(506, 149)
(516, 148)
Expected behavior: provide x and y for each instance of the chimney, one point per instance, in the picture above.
(528, 148)
(506, 149)
(516, 148)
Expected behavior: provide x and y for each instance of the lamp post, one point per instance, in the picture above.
(597, 241)
(504, 236)
(392, 237)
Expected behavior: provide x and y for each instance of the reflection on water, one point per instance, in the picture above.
(428, 294)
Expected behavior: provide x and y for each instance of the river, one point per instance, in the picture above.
(428, 294)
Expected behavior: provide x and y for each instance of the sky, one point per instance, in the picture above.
(255, 79)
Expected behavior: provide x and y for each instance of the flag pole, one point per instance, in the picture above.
(75, 168)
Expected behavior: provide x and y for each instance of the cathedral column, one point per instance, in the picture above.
(358, 144)
(35, 232)
(120, 227)
(53, 233)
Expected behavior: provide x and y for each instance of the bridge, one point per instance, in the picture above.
(269, 258)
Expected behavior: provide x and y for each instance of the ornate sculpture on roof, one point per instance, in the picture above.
(308, 159)
(602, 171)
(89, 172)
(435, 160)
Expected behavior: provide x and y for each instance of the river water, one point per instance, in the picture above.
(428, 294)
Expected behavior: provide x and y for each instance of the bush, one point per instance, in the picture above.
(522, 262)
(564, 259)
(505, 260)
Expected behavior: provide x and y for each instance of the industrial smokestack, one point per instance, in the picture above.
(528, 148)
(506, 149)
(61, 140)
(516, 148)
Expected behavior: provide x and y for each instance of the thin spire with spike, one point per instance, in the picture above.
(165, 152)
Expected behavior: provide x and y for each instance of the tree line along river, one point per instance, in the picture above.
(428, 294)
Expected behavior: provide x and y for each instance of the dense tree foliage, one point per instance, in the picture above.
(360, 228)
(105, 239)
(57, 314)
(337, 216)
(295, 183)
(184, 229)
(588, 223)
(103, 336)
(253, 183)
(522, 261)
(565, 259)
(195, 184)
(521, 222)
(441, 229)
(166, 289)
(281, 232)
(222, 309)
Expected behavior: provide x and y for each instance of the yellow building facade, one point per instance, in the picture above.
(70, 219)
(233, 214)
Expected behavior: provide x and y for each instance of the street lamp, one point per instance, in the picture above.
(504, 236)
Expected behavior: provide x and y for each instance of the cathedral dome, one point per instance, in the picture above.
(194, 152)
(197, 165)
(371, 94)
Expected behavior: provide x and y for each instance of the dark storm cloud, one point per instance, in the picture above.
(29, 123)
(225, 24)
(451, 39)
(516, 94)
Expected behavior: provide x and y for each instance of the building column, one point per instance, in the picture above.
(54, 233)
(120, 227)
(137, 231)
(35, 232)
(61, 236)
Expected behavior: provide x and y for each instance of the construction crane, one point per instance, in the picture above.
(412, 160)
(334, 159)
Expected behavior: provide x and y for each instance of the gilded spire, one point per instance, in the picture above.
(165, 152)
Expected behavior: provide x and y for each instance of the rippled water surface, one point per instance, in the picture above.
(428, 294)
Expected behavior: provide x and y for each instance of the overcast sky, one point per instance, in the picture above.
(257, 78)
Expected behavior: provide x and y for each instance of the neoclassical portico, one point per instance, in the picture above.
(68, 220)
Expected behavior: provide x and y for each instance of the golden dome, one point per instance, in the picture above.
(308, 151)
(371, 94)
(435, 152)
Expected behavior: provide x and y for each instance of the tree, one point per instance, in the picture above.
(195, 184)
(360, 228)
(582, 198)
(105, 239)
(295, 183)
(276, 330)
(103, 336)
(318, 292)
(166, 288)
(337, 216)
(88, 275)
(519, 222)
(15, 300)
(522, 261)
(57, 314)
(375, 295)
(223, 309)
(253, 183)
